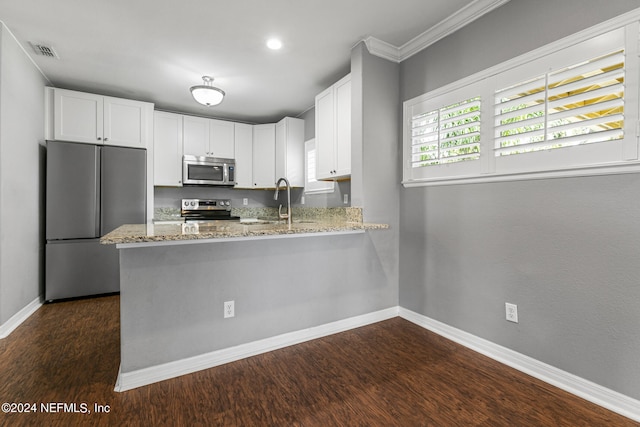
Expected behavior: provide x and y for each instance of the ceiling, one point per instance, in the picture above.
(154, 50)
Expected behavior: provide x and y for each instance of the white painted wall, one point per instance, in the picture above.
(22, 160)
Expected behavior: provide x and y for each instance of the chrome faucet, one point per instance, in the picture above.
(286, 216)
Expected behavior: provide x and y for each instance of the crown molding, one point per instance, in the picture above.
(450, 24)
(383, 49)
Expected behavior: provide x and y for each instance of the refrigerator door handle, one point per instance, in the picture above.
(98, 172)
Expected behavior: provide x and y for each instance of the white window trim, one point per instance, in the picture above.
(488, 174)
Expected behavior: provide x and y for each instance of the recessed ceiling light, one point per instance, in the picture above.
(274, 44)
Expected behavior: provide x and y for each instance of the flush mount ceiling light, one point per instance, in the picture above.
(206, 93)
(274, 44)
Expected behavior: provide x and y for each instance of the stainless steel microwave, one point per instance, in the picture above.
(199, 170)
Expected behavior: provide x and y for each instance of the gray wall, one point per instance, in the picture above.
(172, 296)
(21, 178)
(375, 165)
(564, 250)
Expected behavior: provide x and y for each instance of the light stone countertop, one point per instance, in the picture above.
(352, 214)
(230, 230)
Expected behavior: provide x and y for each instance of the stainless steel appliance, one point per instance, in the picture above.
(91, 190)
(205, 210)
(198, 170)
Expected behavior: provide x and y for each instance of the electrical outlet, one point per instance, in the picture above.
(245, 201)
(229, 309)
(302, 200)
(512, 312)
(346, 199)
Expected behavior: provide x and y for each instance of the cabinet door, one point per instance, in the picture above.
(77, 117)
(325, 154)
(196, 136)
(221, 139)
(127, 122)
(244, 155)
(342, 104)
(281, 150)
(290, 150)
(264, 156)
(167, 149)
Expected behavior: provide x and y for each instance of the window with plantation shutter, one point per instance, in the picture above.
(567, 109)
(520, 117)
(447, 135)
(444, 135)
(580, 104)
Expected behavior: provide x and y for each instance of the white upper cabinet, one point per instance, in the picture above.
(127, 122)
(325, 157)
(167, 145)
(290, 151)
(333, 131)
(244, 155)
(96, 119)
(267, 152)
(196, 136)
(221, 139)
(342, 99)
(264, 156)
(77, 116)
(209, 137)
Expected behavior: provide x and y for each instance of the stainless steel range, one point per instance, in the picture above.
(203, 210)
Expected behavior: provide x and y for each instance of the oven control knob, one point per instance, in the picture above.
(193, 203)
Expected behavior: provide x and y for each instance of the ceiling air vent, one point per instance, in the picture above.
(43, 50)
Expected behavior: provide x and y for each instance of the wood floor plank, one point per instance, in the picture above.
(392, 373)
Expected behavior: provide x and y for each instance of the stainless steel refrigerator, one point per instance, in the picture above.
(91, 190)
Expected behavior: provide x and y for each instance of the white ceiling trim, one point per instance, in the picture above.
(447, 26)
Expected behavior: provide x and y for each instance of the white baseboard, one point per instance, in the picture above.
(16, 320)
(585, 389)
(130, 380)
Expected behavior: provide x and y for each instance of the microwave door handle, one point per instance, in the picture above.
(225, 172)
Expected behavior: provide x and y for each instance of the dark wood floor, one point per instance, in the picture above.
(392, 373)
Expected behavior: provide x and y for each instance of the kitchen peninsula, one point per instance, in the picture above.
(151, 234)
(287, 284)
